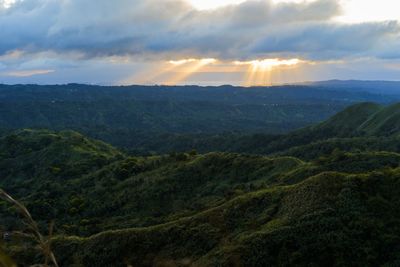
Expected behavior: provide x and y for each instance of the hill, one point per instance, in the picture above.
(348, 122)
(189, 209)
(43, 153)
(360, 127)
(66, 176)
(351, 130)
(386, 122)
(331, 219)
(38, 165)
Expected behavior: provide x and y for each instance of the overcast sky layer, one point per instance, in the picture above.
(198, 42)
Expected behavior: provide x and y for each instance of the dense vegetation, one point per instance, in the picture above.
(140, 118)
(325, 195)
(365, 126)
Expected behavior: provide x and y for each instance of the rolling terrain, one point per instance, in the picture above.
(324, 195)
(361, 126)
(141, 118)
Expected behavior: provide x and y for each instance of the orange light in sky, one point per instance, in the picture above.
(255, 72)
(259, 72)
(182, 61)
(269, 63)
(188, 67)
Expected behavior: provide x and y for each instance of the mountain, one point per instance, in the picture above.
(339, 207)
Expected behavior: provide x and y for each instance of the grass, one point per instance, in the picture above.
(43, 242)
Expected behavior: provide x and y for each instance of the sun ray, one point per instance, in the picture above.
(260, 72)
(251, 75)
(147, 75)
(153, 78)
(256, 72)
(187, 71)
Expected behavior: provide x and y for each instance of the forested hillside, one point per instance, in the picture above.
(361, 126)
(140, 118)
(199, 133)
(325, 195)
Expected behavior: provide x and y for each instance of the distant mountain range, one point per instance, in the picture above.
(375, 87)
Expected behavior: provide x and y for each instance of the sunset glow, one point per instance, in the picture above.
(253, 72)
(187, 68)
(208, 42)
(181, 61)
(268, 64)
(259, 72)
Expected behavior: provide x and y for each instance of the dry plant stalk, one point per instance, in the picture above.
(43, 242)
(6, 261)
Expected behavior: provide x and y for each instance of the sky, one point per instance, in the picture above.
(205, 42)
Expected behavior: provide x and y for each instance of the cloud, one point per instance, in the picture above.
(27, 73)
(173, 29)
(329, 40)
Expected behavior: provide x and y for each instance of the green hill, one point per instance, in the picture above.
(90, 186)
(39, 153)
(38, 165)
(356, 126)
(364, 120)
(331, 219)
(320, 201)
(349, 121)
(386, 122)
(364, 127)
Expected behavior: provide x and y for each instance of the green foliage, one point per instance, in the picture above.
(326, 195)
(327, 220)
(365, 127)
(161, 119)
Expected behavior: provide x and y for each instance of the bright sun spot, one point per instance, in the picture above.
(210, 4)
(259, 72)
(7, 3)
(353, 10)
(190, 60)
(181, 61)
(268, 64)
